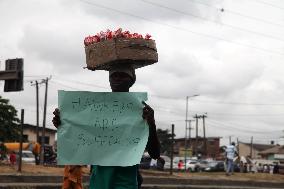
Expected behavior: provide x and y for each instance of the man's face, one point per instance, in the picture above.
(120, 82)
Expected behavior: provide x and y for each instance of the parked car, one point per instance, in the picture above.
(168, 163)
(177, 159)
(145, 162)
(201, 165)
(192, 165)
(157, 164)
(215, 166)
(27, 157)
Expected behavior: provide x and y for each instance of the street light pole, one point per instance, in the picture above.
(186, 128)
(185, 138)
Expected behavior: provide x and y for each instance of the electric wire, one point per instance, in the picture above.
(238, 14)
(184, 29)
(238, 103)
(239, 127)
(217, 102)
(268, 4)
(202, 18)
(67, 86)
(241, 137)
(181, 112)
(78, 82)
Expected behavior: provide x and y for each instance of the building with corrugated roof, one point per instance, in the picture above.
(30, 134)
(206, 147)
(252, 150)
(274, 153)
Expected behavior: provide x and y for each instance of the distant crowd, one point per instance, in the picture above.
(259, 168)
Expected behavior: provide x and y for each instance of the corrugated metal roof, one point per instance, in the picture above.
(273, 150)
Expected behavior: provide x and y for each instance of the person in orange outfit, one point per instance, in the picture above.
(72, 173)
(72, 177)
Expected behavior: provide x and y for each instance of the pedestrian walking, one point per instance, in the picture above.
(230, 155)
(180, 165)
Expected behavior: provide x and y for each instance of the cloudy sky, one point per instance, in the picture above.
(229, 52)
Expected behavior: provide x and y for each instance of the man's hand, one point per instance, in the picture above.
(148, 114)
(56, 119)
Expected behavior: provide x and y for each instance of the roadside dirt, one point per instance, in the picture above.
(49, 170)
(35, 169)
(218, 175)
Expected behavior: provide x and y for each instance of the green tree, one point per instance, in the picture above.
(3, 151)
(9, 123)
(165, 140)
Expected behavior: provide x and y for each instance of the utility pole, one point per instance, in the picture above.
(204, 135)
(230, 140)
(185, 138)
(36, 83)
(238, 146)
(37, 113)
(196, 136)
(172, 151)
(21, 141)
(251, 143)
(44, 121)
(37, 108)
(186, 128)
(187, 141)
(189, 133)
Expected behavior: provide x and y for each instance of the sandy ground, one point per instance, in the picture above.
(35, 169)
(218, 175)
(48, 170)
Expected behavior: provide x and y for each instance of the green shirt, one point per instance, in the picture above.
(114, 177)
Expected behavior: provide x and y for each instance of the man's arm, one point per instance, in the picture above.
(236, 152)
(153, 144)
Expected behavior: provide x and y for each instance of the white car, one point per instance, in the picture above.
(27, 157)
(167, 164)
(191, 166)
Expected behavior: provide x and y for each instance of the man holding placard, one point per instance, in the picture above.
(109, 122)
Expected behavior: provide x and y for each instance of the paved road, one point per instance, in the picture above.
(150, 182)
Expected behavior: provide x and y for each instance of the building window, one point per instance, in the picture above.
(46, 139)
(25, 138)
